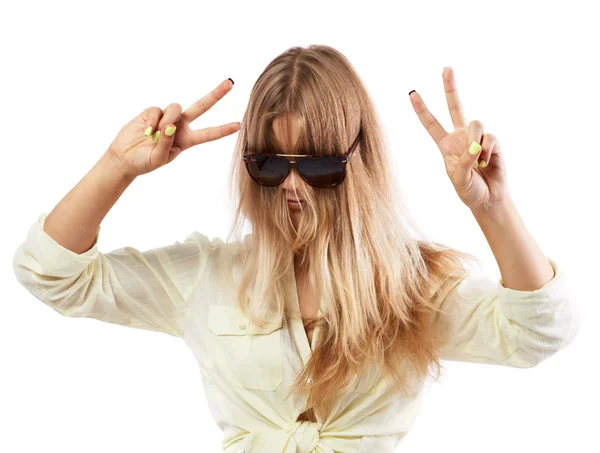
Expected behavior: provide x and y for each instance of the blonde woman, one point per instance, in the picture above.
(315, 333)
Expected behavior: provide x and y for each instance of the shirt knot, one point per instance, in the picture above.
(306, 435)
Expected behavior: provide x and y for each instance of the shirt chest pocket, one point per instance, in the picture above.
(251, 353)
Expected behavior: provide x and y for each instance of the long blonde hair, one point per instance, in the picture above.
(357, 241)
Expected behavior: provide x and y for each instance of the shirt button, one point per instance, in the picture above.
(309, 380)
(243, 327)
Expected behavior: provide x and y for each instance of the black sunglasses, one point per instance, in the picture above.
(318, 171)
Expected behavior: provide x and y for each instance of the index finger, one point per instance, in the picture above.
(208, 134)
(206, 102)
(432, 125)
(454, 104)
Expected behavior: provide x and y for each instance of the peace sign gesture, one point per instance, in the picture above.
(136, 151)
(480, 186)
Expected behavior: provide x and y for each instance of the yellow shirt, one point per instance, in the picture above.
(180, 290)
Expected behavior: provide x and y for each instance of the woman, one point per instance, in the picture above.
(315, 332)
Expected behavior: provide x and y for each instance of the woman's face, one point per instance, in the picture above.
(293, 180)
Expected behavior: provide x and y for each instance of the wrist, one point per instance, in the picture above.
(501, 212)
(116, 167)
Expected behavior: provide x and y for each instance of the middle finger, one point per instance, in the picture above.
(206, 102)
(431, 124)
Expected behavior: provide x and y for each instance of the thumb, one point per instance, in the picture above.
(466, 163)
(165, 141)
(469, 159)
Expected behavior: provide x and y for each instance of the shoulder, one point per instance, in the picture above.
(215, 252)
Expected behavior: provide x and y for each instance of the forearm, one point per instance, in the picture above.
(522, 263)
(74, 221)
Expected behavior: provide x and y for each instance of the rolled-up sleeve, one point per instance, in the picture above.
(485, 322)
(146, 290)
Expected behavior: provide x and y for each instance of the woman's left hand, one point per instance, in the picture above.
(480, 188)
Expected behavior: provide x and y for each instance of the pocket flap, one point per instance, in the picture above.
(226, 320)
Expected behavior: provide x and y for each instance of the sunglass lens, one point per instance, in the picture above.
(322, 171)
(268, 170)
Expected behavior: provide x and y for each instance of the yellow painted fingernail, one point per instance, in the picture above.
(155, 136)
(474, 148)
(148, 131)
(170, 130)
(482, 163)
(475, 164)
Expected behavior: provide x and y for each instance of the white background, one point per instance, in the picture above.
(73, 73)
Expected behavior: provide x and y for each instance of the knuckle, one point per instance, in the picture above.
(201, 105)
(173, 107)
(154, 115)
(489, 139)
(171, 115)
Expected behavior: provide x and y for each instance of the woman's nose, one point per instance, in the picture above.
(291, 181)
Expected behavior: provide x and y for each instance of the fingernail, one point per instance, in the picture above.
(170, 130)
(474, 148)
(232, 82)
(148, 131)
(475, 164)
(411, 92)
(482, 163)
(155, 136)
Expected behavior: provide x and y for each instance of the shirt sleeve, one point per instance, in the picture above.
(486, 322)
(146, 290)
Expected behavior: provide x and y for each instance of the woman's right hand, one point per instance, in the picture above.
(136, 153)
